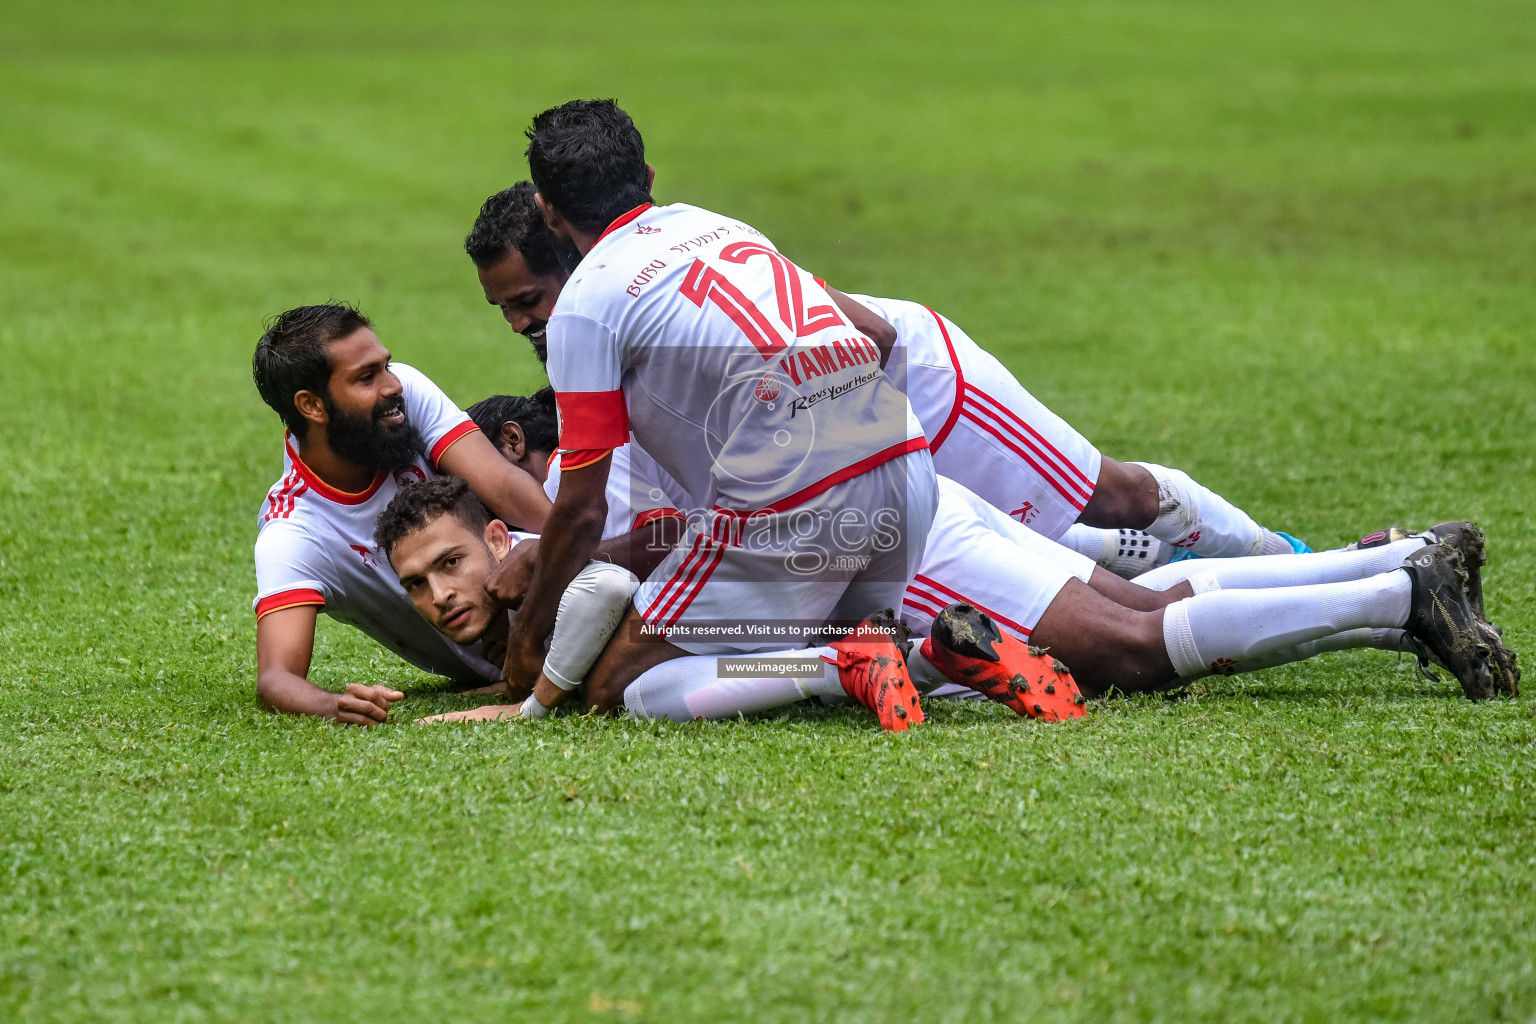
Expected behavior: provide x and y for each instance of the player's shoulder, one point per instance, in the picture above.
(695, 227)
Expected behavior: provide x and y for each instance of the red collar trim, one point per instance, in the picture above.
(621, 221)
(324, 489)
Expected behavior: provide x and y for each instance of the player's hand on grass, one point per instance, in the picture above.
(365, 705)
(508, 582)
(485, 713)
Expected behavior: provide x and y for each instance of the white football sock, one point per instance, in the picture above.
(929, 681)
(685, 689)
(1126, 553)
(1198, 519)
(1088, 541)
(924, 675)
(1349, 640)
(1261, 573)
(1221, 630)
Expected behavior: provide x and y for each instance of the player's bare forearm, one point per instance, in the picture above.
(546, 692)
(515, 498)
(567, 544)
(359, 704)
(285, 642)
(866, 322)
(289, 694)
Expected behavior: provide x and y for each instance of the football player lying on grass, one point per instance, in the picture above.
(984, 429)
(443, 544)
(988, 587)
(359, 426)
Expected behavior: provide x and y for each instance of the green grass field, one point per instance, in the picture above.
(1289, 248)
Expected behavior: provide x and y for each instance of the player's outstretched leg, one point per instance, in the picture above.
(969, 649)
(873, 671)
(695, 687)
(1259, 573)
(1227, 631)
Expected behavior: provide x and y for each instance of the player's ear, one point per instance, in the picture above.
(650, 177)
(514, 444)
(552, 218)
(497, 539)
(311, 407)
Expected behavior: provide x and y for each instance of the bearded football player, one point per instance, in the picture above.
(359, 426)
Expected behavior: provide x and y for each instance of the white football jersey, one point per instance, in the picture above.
(732, 366)
(924, 361)
(984, 428)
(639, 491)
(315, 545)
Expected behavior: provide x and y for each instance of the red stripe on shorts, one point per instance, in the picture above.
(698, 587)
(655, 606)
(955, 595)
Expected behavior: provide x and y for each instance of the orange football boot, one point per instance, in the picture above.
(873, 672)
(970, 650)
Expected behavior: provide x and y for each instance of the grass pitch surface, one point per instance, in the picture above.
(1286, 247)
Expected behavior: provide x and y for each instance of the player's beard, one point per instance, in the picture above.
(367, 442)
(539, 339)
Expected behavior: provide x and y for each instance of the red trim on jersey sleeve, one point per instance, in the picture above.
(288, 599)
(449, 439)
(324, 489)
(826, 483)
(654, 514)
(621, 220)
(592, 419)
(582, 458)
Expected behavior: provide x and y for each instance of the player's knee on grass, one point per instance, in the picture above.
(1125, 497)
(1105, 645)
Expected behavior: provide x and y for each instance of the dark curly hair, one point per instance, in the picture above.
(418, 505)
(534, 413)
(510, 220)
(588, 160)
(291, 356)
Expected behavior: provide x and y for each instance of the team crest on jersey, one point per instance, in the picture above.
(366, 555)
(767, 389)
(646, 229)
(410, 474)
